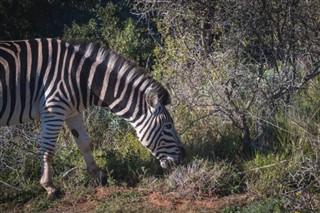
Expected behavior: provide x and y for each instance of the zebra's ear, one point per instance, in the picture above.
(152, 99)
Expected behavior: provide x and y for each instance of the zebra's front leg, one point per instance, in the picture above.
(50, 128)
(76, 126)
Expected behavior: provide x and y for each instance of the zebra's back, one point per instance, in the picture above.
(30, 72)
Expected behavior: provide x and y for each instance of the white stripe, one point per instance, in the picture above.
(52, 85)
(45, 78)
(63, 71)
(92, 71)
(25, 116)
(112, 59)
(69, 73)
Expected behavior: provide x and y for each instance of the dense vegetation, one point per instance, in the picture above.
(245, 86)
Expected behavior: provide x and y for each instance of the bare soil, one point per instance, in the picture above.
(137, 200)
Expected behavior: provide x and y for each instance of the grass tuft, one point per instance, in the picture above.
(203, 178)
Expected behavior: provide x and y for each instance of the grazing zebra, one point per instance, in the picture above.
(54, 81)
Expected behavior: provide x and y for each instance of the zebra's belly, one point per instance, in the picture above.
(17, 115)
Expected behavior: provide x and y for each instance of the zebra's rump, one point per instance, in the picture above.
(15, 74)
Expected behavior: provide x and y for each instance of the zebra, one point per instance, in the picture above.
(55, 81)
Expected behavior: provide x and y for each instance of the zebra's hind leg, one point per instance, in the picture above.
(50, 127)
(76, 126)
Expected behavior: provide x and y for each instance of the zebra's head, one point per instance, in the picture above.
(156, 131)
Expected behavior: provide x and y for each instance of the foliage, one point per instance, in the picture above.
(236, 61)
(23, 19)
(121, 35)
(290, 170)
(19, 164)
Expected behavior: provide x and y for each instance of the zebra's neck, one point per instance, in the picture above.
(116, 83)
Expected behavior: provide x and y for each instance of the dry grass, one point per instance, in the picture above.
(203, 178)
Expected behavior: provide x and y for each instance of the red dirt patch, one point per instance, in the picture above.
(86, 206)
(171, 202)
(105, 192)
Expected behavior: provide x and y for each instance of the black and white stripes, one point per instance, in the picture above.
(55, 81)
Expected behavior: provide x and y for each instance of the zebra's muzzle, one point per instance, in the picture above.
(169, 161)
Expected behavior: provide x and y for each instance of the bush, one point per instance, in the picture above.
(19, 162)
(111, 28)
(289, 171)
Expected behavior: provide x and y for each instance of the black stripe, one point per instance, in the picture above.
(75, 65)
(12, 81)
(49, 146)
(84, 75)
(97, 81)
(165, 153)
(4, 86)
(23, 77)
(48, 137)
(33, 74)
(55, 129)
(54, 125)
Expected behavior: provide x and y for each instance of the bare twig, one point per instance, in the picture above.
(7, 184)
(68, 171)
(266, 166)
(197, 120)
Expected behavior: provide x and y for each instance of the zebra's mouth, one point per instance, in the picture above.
(165, 163)
(168, 162)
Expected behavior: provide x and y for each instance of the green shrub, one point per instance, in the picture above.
(290, 170)
(116, 148)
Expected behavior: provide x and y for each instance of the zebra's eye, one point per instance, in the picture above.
(168, 126)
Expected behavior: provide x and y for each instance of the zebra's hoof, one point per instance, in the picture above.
(55, 194)
(101, 179)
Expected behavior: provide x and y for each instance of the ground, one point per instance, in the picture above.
(124, 199)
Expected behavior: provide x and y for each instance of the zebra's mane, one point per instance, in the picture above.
(92, 50)
(95, 51)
